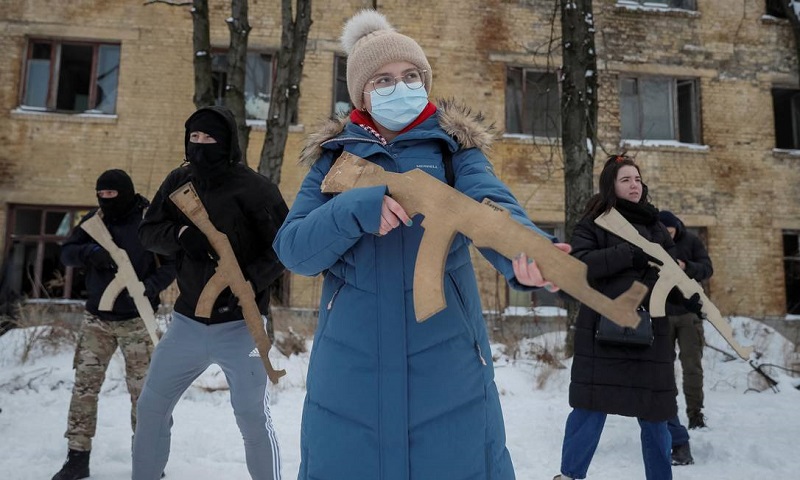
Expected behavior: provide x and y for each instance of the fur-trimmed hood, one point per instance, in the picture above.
(469, 129)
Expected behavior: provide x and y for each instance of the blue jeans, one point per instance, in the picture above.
(582, 434)
(679, 434)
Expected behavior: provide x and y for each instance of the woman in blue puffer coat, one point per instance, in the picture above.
(389, 398)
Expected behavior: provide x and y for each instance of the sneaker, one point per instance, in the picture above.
(682, 455)
(697, 420)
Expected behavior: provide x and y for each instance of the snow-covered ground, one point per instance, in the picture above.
(750, 435)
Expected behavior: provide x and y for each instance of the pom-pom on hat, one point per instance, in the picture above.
(370, 43)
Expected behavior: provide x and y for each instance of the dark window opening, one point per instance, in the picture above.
(774, 8)
(791, 270)
(786, 109)
(32, 265)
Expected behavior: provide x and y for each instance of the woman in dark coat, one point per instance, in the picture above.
(623, 380)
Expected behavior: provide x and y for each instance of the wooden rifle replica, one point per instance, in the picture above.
(228, 274)
(124, 278)
(670, 276)
(447, 212)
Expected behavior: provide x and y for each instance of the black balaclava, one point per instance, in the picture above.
(209, 160)
(118, 207)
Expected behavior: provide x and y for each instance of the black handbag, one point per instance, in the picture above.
(609, 333)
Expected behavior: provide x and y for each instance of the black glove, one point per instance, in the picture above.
(640, 259)
(694, 304)
(196, 245)
(100, 259)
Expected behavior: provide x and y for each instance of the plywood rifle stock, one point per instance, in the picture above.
(124, 278)
(670, 276)
(447, 212)
(228, 274)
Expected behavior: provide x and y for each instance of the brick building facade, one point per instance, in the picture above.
(705, 97)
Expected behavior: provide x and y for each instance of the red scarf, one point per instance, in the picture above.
(363, 118)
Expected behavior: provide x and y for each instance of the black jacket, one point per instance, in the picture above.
(690, 249)
(156, 275)
(242, 204)
(630, 381)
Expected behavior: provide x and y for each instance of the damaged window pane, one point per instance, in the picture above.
(257, 82)
(71, 77)
(533, 103)
(786, 110)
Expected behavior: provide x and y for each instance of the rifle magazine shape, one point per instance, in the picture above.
(447, 212)
(228, 274)
(125, 277)
(670, 276)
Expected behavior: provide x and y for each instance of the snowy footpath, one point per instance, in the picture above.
(751, 434)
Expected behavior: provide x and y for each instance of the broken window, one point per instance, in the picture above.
(32, 265)
(660, 108)
(791, 269)
(786, 109)
(533, 104)
(341, 98)
(71, 76)
(257, 82)
(681, 4)
(539, 297)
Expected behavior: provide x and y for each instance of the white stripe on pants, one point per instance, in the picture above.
(185, 351)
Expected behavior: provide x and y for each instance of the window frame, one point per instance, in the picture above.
(676, 126)
(40, 239)
(539, 297)
(779, 130)
(56, 45)
(525, 117)
(665, 4)
(219, 97)
(337, 58)
(789, 258)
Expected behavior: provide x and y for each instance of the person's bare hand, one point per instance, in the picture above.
(392, 215)
(528, 273)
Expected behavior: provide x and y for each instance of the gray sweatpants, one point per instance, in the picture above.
(185, 351)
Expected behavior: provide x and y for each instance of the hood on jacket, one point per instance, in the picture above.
(230, 120)
(470, 130)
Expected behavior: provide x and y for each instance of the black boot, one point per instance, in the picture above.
(682, 455)
(76, 466)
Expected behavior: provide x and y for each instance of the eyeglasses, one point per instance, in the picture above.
(385, 85)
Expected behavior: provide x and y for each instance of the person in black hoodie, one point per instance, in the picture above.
(102, 332)
(632, 381)
(249, 209)
(686, 328)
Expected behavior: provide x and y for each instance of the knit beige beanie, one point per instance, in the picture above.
(370, 43)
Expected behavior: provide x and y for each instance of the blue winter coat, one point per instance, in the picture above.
(389, 398)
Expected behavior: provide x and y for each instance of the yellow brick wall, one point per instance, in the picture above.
(742, 192)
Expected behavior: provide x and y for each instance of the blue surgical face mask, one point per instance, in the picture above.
(397, 110)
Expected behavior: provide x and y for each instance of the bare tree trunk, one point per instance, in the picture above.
(239, 29)
(286, 89)
(201, 42)
(578, 119)
(795, 22)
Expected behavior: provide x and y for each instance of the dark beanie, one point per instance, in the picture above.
(210, 123)
(668, 219)
(116, 180)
